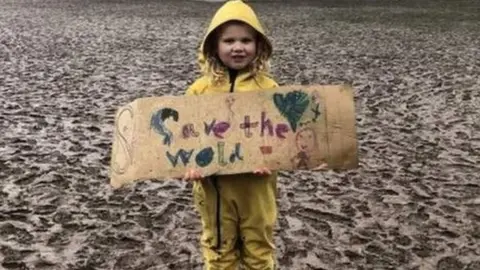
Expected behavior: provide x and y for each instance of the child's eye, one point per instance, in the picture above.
(247, 40)
(228, 40)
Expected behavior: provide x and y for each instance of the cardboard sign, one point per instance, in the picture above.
(286, 128)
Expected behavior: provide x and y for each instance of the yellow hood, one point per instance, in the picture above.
(233, 10)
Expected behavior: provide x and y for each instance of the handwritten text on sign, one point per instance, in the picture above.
(297, 109)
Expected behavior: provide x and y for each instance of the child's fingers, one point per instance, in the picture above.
(192, 174)
(188, 174)
(322, 167)
(263, 170)
(197, 175)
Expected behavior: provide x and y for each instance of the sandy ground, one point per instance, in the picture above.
(414, 203)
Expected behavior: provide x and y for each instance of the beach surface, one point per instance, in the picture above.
(413, 203)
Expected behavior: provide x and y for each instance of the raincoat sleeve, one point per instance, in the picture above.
(266, 82)
(272, 83)
(197, 87)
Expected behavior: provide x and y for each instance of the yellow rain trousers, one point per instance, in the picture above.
(238, 212)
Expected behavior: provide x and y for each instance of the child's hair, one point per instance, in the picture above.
(216, 70)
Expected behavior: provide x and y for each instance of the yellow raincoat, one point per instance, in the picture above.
(238, 212)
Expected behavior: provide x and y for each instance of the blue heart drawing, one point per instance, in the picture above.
(292, 106)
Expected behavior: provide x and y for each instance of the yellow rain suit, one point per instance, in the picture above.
(238, 212)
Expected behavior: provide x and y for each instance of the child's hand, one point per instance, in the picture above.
(262, 171)
(192, 174)
(322, 167)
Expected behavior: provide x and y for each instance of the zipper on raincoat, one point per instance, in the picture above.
(233, 75)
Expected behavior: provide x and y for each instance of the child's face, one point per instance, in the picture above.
(236, 46)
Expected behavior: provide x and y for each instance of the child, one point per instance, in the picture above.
(238, 212)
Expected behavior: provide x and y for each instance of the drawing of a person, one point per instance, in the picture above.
(306, 142)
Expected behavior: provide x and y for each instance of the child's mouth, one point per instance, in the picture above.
(238, 58)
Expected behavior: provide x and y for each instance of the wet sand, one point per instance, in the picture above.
(414, 202)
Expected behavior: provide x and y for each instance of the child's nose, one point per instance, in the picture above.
(237, 46)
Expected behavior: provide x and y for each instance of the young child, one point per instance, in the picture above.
(238, 212)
